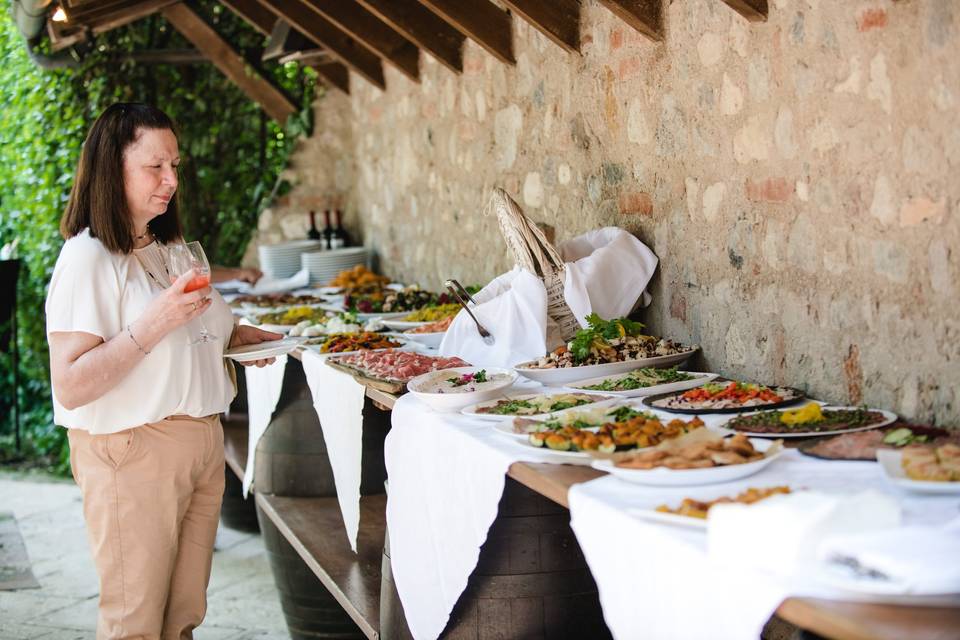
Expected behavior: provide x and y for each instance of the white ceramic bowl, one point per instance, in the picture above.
(421, 388)
(431, 340)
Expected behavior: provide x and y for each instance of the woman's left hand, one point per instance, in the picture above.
(245, 334)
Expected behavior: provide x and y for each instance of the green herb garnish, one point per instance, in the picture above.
(595, 338)
(641, 378)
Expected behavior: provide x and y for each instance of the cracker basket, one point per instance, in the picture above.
(534, 253)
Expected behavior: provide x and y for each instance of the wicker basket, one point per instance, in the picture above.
(534, 253)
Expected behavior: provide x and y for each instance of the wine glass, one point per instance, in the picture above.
(183, 258)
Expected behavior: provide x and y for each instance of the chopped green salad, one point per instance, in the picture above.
(640, 379)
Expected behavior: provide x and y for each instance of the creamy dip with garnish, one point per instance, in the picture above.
(464, 383)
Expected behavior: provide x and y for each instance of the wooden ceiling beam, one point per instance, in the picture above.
(752, 10)
(347, 50)
(481, 21)
(253, 13)
(373, 33)
(559, 20)
(422, 27)
(231, 63)
(124, 17)
(646, 16)
(333, 74)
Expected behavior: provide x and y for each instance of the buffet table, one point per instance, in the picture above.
(312, 526)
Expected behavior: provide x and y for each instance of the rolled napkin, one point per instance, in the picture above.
(782, 534)
(916, 560)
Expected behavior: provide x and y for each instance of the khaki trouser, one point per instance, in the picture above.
(151, 501)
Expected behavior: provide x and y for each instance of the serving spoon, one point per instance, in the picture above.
(461, 296)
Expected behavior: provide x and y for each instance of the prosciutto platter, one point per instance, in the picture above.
(395, 366)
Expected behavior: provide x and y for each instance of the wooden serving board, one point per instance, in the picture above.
(389, 386)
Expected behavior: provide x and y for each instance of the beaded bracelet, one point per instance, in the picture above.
(142, 350)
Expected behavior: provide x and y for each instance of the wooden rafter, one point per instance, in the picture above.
(646, 16)
(752, 10)
(253, 13)
(422, 27)
(481, 21)
(231, 63)
(333, 74)
(559, 20)
(323, 32)
(373, 33)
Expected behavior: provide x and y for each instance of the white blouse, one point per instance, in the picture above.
(99, 292)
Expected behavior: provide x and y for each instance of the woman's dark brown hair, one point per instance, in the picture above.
(98, 200)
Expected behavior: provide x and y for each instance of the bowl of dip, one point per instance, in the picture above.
(453, 389)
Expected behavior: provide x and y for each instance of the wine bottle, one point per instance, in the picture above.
(313, 233)
(327, 230)
(340, 236)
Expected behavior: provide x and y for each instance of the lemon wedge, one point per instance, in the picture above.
(808, 413)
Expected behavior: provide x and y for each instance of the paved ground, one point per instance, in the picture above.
(242, 603)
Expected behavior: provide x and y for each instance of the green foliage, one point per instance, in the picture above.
(232, 158)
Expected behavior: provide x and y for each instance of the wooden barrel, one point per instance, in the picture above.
(236, 512)
(309, 609)
(292, 456)
(292, 461)
(531, 580)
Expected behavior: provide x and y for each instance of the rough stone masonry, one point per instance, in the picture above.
(796, 177)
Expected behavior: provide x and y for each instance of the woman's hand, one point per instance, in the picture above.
(245, 334)
(169, 310)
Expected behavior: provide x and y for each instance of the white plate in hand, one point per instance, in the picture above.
(667, 387)
(270, 349)
(890, 462)
(663, 477)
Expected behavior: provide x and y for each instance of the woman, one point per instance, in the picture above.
(141, 405)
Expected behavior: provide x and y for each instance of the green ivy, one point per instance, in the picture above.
(232, 155)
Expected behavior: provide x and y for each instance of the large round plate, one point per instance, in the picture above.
(520, 439)
(670, 387)
(471, 410)
(566, 375)
(663, 477)
(888, 418)
(271, 349)
(649, 400)
(890, 462)
(400, 325)
(670, 518)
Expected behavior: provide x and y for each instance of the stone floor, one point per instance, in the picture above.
(242, 601)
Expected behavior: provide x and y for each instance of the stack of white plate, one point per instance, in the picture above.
(283, 260)
(325, 265)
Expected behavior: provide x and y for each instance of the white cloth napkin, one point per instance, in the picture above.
(446, 473)
(669, 586)
(263, 393)
(338, 400)
(918, 560)
(266, 284)
(781, 534)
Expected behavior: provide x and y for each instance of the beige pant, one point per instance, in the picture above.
(151, 501)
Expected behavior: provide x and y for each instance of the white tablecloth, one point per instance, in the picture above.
(263, 393)
(338, 400)
(446, 475)
(658, 581)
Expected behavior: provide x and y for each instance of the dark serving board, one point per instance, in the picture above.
(649, 400)
(390, 386)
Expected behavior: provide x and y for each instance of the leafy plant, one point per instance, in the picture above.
(596, 337)
(42, 127)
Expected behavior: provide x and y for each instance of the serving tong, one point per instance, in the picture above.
(461, 295)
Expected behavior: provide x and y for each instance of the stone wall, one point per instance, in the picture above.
(797, 178)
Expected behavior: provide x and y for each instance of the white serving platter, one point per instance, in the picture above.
(429, 340)
(401, 325)
(699, 379)
(472, 410)
(271, 349)
(663, 477)
(888, 418)
(567, 375)
(890, 462)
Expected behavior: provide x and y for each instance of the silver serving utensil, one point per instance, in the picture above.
(454, 288)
